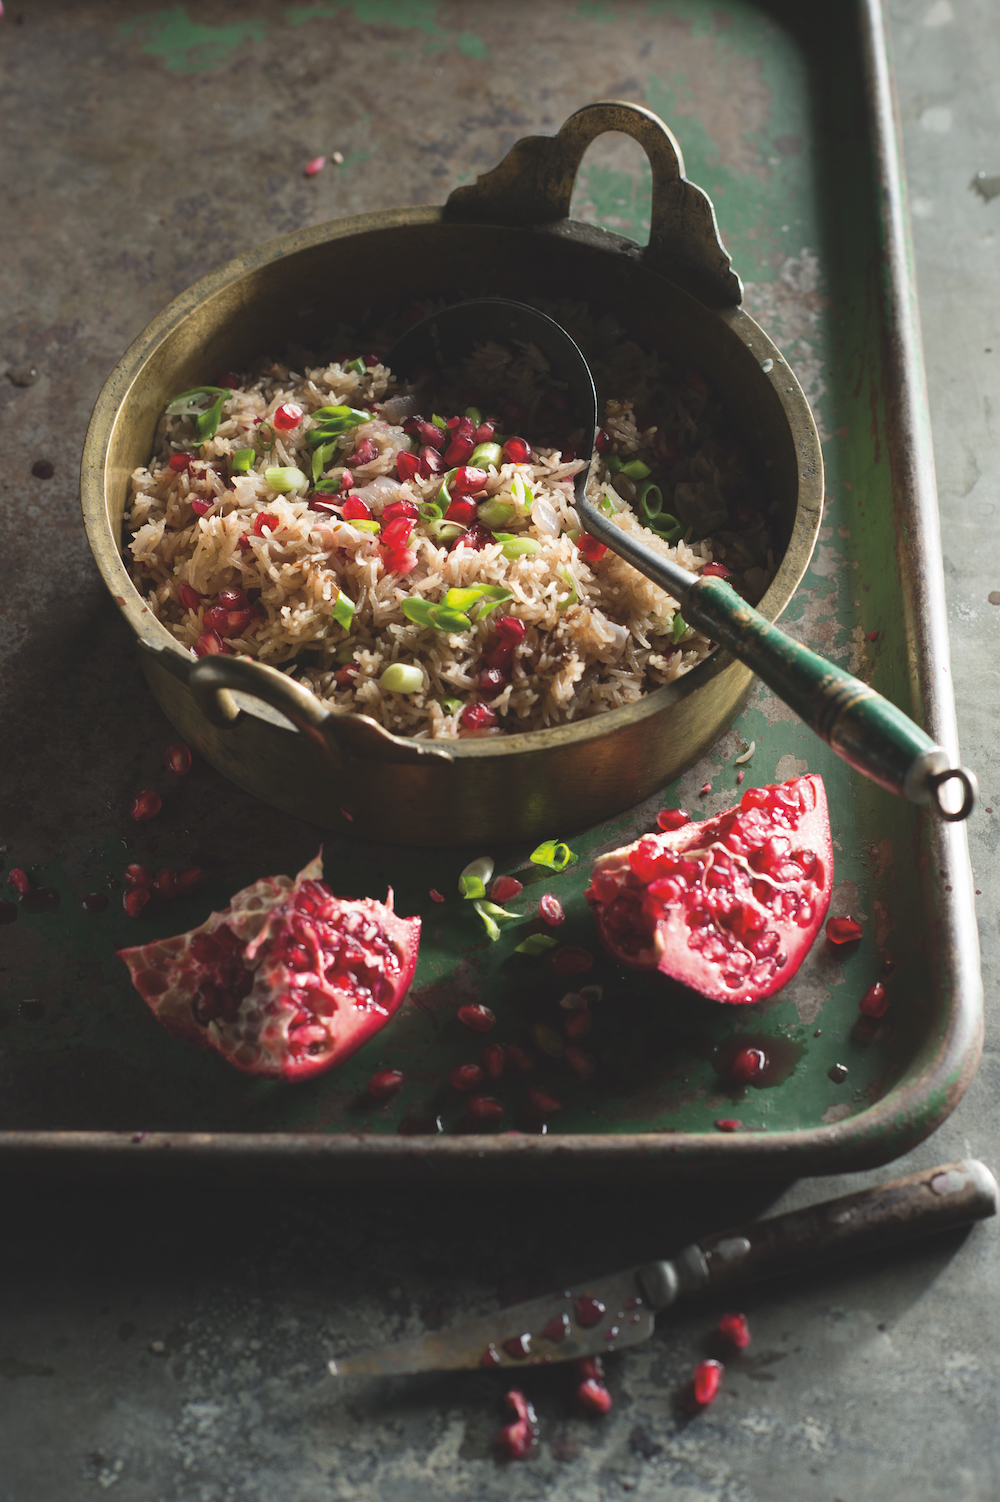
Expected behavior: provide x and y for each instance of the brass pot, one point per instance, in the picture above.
(508, 235)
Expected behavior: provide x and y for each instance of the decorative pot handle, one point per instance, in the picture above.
(534, 184)
(339, 738)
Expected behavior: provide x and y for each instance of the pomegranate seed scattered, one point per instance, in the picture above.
(477, 538)
(734, 1328)
(873, 636)
(385, 1083)
(465, 1077)
(476, 1016)
(557, 1329)
(463, 512)
(602, 441)
(486, 431)
(478, 717)
(510, 629)
(397, 534)
(431, 436)
(706, 1382)
(432, 461)
(437, 896)
(578, 1024)
(706, 787)
(875, 1002)
(400, 561)
(591, 549)
(165, 883)
(727, 1124)
(517, 1440)
(594, 1396)
(346, 481)
(491, 681)
(715, 571)
(494, 1059)
(467, 480)
(748, 1065)
(505, 889)
(134, 899)
(177, 759)
(544, 1101)
(484, 1108)
(316, 165)
(407, 466)
(843, 930)
(520, 1058)
(20, 881)
(571, 961)
(517, 451)
(364, 453)
(179, 463)
(138, 876)
(355, 509)
(189, 879)
(146, 805)
(589, 1368)
(551, 910)
(397, 509)
(588, 1311)
(200, 506)
(581, 1063)
(458, 452)
(265, 519)
(672, 818)
(518, 1347)
(189, 597)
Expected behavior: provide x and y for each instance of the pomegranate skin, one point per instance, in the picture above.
(287, 981)
(730, 906)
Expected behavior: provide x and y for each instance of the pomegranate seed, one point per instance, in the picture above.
(476, 1016)
(138, 876)
(355, 509)
(581, 1063)
(134, 900)
(477, 538)
(165, 883)
(589, 1368)
(571, 961)
(727, 1124)
(520, 1058)
(748, 1065)
(20, 881)
(517, 1440)
(189, 879)
(243, 543)
(505, 889)
(499, 654)
(385, 1083)
(233, 599)
(432, 461)
(465, 1077)
(874, 1003)
(146, 805)
(478, 717)
(594, 1396)
(715, 571)
(568, 455)
(591, 549)
(461, 427)
(397, 509)
(489, 1358)
(397, 534)
(458, 451)
(407, 466)
(400, 561)
(210, 644)
(873, 636)
(364, 453)
(518, 1347)
(706, 1382)
(201, 507)
(544, 1101)
(578, 1024)
(588, 1312)
(288, 417)
(464, 512)
(484, 1108)
(734, 1328)
(602, 441)
(265, 519)
(557, 1329)
(437, 896)
(467, 480)
(179, 463)
(491, 681)
(346, 480)
(486, 431)
(842, 930)
(517, 451)
(371, 360)
(510, 629)
(672, 818)
(431, 436)
(311, 168)
(551, 910)
(189, 598)
(494, 1059)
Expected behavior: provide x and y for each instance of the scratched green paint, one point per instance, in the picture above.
(409, 15)
(187, 46)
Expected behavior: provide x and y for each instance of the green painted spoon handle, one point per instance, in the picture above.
(871, 734)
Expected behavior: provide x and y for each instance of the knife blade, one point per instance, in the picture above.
(619, 1310)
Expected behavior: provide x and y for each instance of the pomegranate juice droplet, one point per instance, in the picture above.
(588, 1311)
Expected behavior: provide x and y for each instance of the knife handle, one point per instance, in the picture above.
(938, 1199)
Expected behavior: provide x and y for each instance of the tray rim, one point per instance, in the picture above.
(909, 1112)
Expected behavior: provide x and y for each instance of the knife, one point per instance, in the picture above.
(611, 1313)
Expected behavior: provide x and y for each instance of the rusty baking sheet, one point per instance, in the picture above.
(806, 181)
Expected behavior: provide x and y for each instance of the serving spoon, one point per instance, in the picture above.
(862, 727)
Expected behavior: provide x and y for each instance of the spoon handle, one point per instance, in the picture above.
(871, 735)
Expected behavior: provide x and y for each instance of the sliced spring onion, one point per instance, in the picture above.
(187, 403)
(492, 595)
(475, 414)
(523, 494)
(321, 458)
(479, 871)
(461, 599)
(572, 597)
(333, 421)
(612, 463)
(606, 505)
(441, 617)
(649, 499)
(450, 706)
(636, 469)
(554, 854)
(496, 513)
(241, 461)
(365, 524)
(680, 627)
(443, 532)
(536, 944)
(284, 478)
(517, 547)
(329, 486)
(429, 511)
(345, 653)
(439, 422)
(265, 437)
(487, 453)
(343, 611)
(489, 912)
(358, 366)
(351, 415)
(402, 678)
(207, 424)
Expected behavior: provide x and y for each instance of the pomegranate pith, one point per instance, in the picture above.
(729, 907)
(287, 981)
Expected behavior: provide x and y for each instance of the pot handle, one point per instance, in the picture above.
(534, 184)
(339, 738)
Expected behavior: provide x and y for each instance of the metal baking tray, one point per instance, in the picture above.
(808, 189)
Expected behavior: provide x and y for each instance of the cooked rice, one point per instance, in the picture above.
(577, 658)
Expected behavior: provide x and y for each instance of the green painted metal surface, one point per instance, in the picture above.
(787, 162)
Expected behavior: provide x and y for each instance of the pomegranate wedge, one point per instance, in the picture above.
(730, 906)
(287, 981)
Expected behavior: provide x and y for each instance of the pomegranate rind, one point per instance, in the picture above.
(287, 981)
(729, 907)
